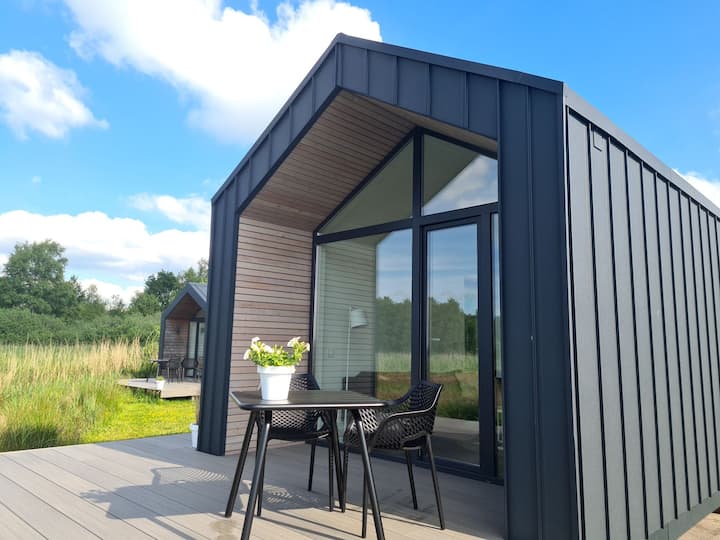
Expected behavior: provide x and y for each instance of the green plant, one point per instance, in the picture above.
(264, 355)
(53, 395)
(159, 378)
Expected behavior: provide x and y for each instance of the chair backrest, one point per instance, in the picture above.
(425, 395)
(304, 381)
(297, 422)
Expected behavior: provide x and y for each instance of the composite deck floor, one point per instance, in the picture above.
(160, 488)
(172, 389)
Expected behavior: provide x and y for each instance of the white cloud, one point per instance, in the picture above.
(707, 186)
(192, 210)
(108, 290)
(37, 95)
(99, 247)
(237, 68)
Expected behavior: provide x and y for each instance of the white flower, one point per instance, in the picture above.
(246, 356)
(294, 341)
(255, 340)
(267, 348)
(307, 347)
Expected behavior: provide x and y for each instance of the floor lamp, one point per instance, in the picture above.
(356, 319)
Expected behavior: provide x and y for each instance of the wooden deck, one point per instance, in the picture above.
(160, 488)
(179, 389)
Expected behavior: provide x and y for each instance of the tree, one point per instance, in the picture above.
(34, 279)
(164, 286)
(144, 303)
(191, 275)
(92, 304)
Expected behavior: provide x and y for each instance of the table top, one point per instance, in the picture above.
(309, 399)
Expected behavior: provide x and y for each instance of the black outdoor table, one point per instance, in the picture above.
(307, 399)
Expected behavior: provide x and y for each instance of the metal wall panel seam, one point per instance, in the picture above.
(533, 307)
(664, 427)
(707, 289)
(465, 101)
(641, 431)
(652, 334)
(696, 251)
(679, 274)
(617, 341)
(574, 515)
(683, 233)
(713, 255)
(590, 146)
(577, 435)
(665, 346)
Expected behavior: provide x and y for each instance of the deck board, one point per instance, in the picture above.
(160, 488)
(171, 389)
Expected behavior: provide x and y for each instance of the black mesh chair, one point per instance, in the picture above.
(174, 367)
(305, 425)
(405, 424)
(189, 368)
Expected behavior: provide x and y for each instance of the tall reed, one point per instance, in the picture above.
(51, 394)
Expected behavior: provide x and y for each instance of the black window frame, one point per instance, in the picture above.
(419, 224)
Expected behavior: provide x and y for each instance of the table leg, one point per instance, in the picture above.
(338, 462)
(369, 476)
(259, 460)
(241, 464)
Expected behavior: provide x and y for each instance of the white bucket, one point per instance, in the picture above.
(194, 434)
(275, 382)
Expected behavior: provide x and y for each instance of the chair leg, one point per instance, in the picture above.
(364, 508)
(312, 465)
(435, 481)
(331, 494)
(346, 456)
(408, 460)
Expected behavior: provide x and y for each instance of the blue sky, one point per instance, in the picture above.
(119, 119)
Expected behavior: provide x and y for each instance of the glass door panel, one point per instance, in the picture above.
(452, 339)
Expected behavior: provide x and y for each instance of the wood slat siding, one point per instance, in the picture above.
(176, 338)
(644, 284)
(285, 268)
(344, 145)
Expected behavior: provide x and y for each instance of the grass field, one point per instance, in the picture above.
(52, 395)
(457, 373)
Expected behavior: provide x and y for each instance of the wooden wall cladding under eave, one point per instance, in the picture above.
(176, 338)
(272, 300)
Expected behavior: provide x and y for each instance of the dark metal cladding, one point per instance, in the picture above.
(643, 278)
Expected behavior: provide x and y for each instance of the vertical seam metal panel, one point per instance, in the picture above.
(598, 353)
(715, 345)
(533, 337)
(618, 352)
(572, 330)
(641, 432)
(649, 274)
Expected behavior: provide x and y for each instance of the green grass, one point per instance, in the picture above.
(457, 373)
(138, 414)
(53, 395)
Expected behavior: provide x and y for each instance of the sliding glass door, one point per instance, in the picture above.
(460, 350)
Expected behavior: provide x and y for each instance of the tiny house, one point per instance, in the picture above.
(424, 217)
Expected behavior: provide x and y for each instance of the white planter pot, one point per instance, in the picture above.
(275, 382)
(159, 385)
(194, 434)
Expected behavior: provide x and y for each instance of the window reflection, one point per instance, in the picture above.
(363, 324)
(456, 177)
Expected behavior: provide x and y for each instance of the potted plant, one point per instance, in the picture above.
(276, 365)
(194, 426)
(159, 383)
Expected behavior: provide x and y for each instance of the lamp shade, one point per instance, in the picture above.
(357, 318)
